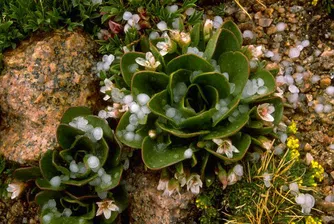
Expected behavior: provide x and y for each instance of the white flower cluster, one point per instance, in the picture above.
(52, 206)
(254, 86)
(139, 111)
(94, 134)
(132, 21)
(111, 91)
(235, 174)
(225, 146)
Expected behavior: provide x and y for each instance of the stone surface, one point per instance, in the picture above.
(42, 78)
(148, 206)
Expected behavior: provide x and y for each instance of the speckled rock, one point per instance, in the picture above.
(148, 206)
(41, 79)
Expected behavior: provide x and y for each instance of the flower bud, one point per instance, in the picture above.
(207, 30)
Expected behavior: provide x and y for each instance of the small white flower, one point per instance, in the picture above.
(133, 20)
(232, 178)
(217, 22)
(265, 110)
(111, 91)
(165, 46)
(225, 147)
(267, 178)
(106, 207)
(185, 38)
(207, 27)
(181, 178)
(150, 63)
(162, 25)
(194, 183)
(307, 202)
(16, 189)
(172, 186)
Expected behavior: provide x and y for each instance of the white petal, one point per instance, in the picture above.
(107, 213)
(162, 25)
(141, 61)
(136, 18)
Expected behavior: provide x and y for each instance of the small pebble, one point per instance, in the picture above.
(248, 34)
(280, 26)
(330, 90)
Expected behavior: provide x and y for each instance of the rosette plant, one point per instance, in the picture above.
(79, 181)
(192, 96)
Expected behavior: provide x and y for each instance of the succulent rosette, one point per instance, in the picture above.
(85, 169)
(196, 93)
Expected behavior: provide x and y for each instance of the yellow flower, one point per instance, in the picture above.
(292, 143)
(314, 2)
(292, 128)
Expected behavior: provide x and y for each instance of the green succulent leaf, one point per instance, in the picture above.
(27, 173)
(74, 112)
(82, 142)
(128, 60)
(44, 184)
(116, 174)
(66, 135)
(56, 162)
(76, 182)
(181, 133)
(159, 155)
(195, 35)
(47, 169)
(44, 196)
(237, 66)
(189, 62)
(229, 129)
(231, 26)
(241, 142)
(148, 82)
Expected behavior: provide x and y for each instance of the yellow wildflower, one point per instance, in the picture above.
(292, 128)
(314, 2)
(311, 220)
(292, 143)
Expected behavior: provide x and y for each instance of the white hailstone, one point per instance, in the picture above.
(133, 67)
(55, 181)
(299, 68)
(127, 15)
(294, 188)
(188, 153)
(289, 79)
(74, 167)
(235, 113)
(52, 203)
(278, 150)
(47, 218)
(260, 82)
(133, 119)
(102, 114)
(127, 99)
(137, 137)
(190, 11)
(134, 108)
(293, 89)
(266, 179)
(269, 54)
(253, 64)
(226, 75)
(143, 99)
(248, 34)
(319, 108)
(106, 178)
(331, 146)
(172, 8)
(317, 52)
(280, 79)
(102, 195)
(64, 178)
(67, 212)
(100, 172)
(300, 47)
(162, 26)
(327, 108)
(262, 90)
(140, 115)
(95, 182)
(294, 53)
(315, 79)
(130, 127)
(330, 90)
(231, 119)
(329, 198)
(217, 22)
(299, 78)
(238, 170)
(82, 168)
(277, 57)
(305, 43)
(154, 35)
(280, 26)
(293, 98)
(97, 133)
(93, 162)
(145, 110)
(283, 137)
(171, 112)
(129, 136)
(176, 24)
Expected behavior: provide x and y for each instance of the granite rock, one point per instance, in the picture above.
(41, 79)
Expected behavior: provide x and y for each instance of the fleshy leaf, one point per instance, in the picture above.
(45, 185)
(231, 26)
(96, 121)
(182, 133)
(82, 182)
(66, 135)
(237, 67)
(74, 112)
(27, 173)
(128, 60)
(195, 35)
(241, 142)
(47, 169)
(229, 129)
(44, 196)
(179, 76)
(157, 156)
(148, 82)
(190, 62)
